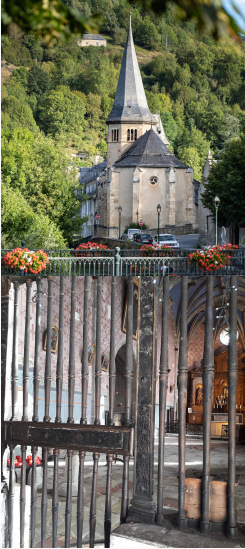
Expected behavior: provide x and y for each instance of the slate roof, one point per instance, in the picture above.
(90, 174)
(149, 150)
(130, 100)
(93, 37)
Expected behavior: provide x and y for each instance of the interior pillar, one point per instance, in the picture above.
(143, 507)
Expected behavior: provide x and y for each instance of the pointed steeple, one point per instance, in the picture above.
(130, 101)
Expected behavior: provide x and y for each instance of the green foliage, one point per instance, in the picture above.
(61, 112)
(136, 226)
(15, 52)
(17, 114)
(21, 75)
(39, 81)
(170, 126)
(21, 222)
(44, 176)
(190, 156)
(208, 14)
(34, 46)
(226, 180)
(51, 20)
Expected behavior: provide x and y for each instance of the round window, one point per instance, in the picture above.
(153, 180)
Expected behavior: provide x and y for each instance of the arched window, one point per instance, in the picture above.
(131, 135)
(114, 135)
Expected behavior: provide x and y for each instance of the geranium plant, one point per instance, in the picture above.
(157, 250)
(89, 246)
(213, 258)
(26, 260)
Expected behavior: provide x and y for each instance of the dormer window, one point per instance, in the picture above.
(114, 135)
(131, 135)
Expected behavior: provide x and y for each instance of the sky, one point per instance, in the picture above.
(240, 4)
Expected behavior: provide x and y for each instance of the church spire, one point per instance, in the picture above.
(130, 101)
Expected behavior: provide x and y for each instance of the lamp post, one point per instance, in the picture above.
(216, 204)
(119, 224)
(158, 220)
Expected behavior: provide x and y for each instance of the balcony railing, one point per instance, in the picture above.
(127, 262)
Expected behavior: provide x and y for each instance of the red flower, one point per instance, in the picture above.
(26, 260)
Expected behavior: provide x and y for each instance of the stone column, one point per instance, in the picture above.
(143, 507)
(172, 205)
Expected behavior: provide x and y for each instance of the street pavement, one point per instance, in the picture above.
(188, 241)
(194, 448)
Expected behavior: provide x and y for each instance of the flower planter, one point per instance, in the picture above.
(22, 261)
(213, 258)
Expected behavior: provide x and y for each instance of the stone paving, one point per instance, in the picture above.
(219, 465)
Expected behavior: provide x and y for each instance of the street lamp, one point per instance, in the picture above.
(120, 213)
(216, 204)
(158, 224)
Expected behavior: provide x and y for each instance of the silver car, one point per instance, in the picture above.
(129, 235)
(168, 239)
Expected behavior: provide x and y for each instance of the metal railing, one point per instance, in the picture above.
(190, 428)
(127, 262)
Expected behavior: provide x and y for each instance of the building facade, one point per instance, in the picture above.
(141, 171)
(91, 40)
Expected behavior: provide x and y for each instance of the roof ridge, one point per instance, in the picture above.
(149, 146)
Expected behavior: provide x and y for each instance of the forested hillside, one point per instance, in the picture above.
(55, 102)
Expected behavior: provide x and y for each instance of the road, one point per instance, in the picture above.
(188, 240)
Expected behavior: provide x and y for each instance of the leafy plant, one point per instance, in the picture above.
(212, 259)
(136, 226)
(27, 261)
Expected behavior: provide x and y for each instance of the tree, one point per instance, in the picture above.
(170, 126)
(17, 114)
(21, 222)
(61, 111)
(51, 20)
(57, 20)
(226, 180)
(208, 14)
(38, 81)
(45, 177)
(190, 156)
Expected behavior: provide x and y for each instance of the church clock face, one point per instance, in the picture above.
(153, 180)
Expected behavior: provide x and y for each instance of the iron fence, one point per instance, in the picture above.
(127, 262)
(190, 428)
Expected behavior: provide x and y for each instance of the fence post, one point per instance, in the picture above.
(117, 261)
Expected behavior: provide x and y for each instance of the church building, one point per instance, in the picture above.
(141, 172)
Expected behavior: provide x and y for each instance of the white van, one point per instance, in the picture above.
(129, 234)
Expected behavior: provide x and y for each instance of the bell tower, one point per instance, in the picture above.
(130, 116)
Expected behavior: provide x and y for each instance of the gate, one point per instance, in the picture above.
(139, 310)
(51, 432)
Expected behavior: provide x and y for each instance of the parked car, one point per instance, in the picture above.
(168, 239)
(143, 238)
(129, 234)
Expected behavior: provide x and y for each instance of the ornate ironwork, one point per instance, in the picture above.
(127, 262)
(75, 437)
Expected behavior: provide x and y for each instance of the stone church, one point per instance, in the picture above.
(140, 171)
